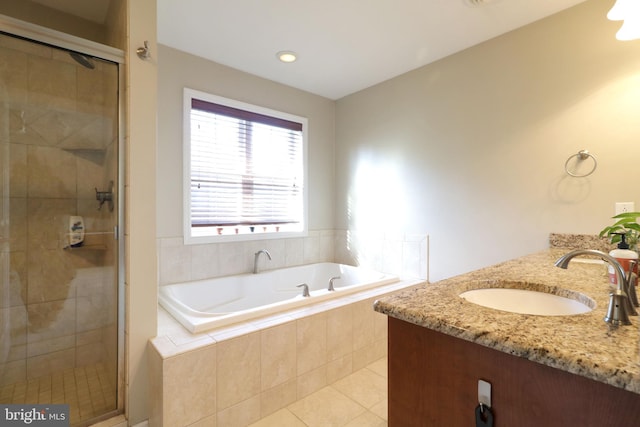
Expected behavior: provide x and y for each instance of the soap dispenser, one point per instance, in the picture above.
(624, 256)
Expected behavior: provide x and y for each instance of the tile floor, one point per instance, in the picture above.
(359, 400)
(88, 390)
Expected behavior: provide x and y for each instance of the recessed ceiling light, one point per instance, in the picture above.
(287, 56)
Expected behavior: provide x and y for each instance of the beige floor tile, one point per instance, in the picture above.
(379, 367)
(364, 386)
(381, 409)
(367, 420)
(326, 408)
(281, 418)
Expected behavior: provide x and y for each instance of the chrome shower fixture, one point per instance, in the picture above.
(83, 60)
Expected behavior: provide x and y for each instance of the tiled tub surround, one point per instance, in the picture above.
(236, 375)
(580, 344)
(403, 255)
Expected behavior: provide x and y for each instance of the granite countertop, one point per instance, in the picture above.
(582, 344)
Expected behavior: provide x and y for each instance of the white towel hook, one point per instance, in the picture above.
(143, 52)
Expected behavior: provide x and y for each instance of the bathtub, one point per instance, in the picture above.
(210, 303)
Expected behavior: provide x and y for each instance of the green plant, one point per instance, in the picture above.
(626, 224)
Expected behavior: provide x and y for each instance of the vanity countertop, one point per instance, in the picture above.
(582, 344)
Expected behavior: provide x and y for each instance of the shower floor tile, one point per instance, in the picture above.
(88, 390)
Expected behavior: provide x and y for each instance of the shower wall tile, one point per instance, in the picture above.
(13, 73)
(90, 175)
(47, 364)
(18, 170)
(48, 221)
(51, 319)
(94, 336)
(17, 280)
(18, 223)
(91, 313)
(39, 348)
(56, 125)
(16, 352)
(18, 319)
(53, 78)
(13, 372)
(20, 119)
(51, 173)
(89, 354)
(91, 92)
(25, 47)
(49, 274)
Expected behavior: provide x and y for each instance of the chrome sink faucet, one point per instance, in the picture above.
(620, 306)
(256, 258)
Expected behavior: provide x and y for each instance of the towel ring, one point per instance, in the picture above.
(581, 155)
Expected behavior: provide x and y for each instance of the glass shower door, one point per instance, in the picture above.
(58, 255)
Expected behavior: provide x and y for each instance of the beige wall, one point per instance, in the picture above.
(178, 70)
(141, 282)
(471, 149)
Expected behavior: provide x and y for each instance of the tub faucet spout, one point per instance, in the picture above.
(256, 258)
(330, 288)
(305, 290)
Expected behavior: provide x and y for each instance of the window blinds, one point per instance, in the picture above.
(246, 168)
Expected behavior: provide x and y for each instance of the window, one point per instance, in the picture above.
(244, 171)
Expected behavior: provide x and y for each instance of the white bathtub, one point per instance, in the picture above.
(210, 303)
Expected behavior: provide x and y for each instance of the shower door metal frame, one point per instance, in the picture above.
(58, 39)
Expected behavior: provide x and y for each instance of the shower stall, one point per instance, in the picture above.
(60, 259)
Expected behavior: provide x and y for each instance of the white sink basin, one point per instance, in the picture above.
(527, 301)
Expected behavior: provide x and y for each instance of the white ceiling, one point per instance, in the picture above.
(343, 45)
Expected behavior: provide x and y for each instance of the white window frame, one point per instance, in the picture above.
(201, 235)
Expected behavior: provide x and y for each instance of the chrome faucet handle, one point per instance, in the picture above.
(330, 288)
(631, 284)
(617, 313)
(305, 290)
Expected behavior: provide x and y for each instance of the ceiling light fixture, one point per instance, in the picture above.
(287, 56)
(627, 11)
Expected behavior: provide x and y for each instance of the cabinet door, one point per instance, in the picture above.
(433, 381)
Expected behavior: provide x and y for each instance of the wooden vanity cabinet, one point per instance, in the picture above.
(433, 382)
